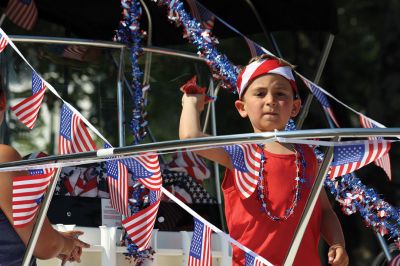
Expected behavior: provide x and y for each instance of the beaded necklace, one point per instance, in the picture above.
(298, 179)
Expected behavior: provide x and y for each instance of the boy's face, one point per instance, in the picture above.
(269, 103)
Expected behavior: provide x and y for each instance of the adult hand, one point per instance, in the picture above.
(337, 255)
(73, 250)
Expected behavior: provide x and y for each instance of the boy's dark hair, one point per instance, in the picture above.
(268, 56)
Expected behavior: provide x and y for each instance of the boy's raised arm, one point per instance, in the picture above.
(189, 127)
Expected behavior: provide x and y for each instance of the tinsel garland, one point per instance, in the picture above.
(130, 34)
(138, 201)
(354, 196)
(205, 43)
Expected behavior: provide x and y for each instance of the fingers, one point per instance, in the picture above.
(341, 258)
(63, 259)
(337, 256)
(73, 233)
(76, 255)
(331, 255)
(82, 244)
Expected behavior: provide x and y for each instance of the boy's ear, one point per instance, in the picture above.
(296, 107)
(241, 108)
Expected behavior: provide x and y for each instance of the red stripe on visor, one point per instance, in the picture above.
(263, 67)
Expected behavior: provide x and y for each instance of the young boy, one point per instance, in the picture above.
(262, 213)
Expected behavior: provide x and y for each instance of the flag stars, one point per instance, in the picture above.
(196, 245)
(66, 117)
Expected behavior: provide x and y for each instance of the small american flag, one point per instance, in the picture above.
(117, 178)
(199, 12)
(22, 12)
(250, 260)
(76, 52)
(28, 109)
(348, 158)
(321, 97)
(200, 247)
(384, 161)
(146, 167)
(245, 159)
(154, 196)
(255, 49)
(140, 225)
(39, 171)
(395, 261)
(3, 42)
(27, 194)
(191, 164)
(74, 136)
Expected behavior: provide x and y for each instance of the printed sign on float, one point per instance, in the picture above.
(109, 216)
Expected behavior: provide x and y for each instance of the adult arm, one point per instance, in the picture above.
(50, 243)
(189, 127)
(331, 231)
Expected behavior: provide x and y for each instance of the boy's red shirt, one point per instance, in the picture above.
(254, 229)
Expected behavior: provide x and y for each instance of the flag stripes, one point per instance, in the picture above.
(245, 159)
(321, 97)
(3, 42)
(200, 247)
(76, 52)
(22, 12)
(348, 158)
(140, 225)
(146, 167)
(202, 14)
(384, 161)
(117, 179)
(28, 109)
(395, 261)
(255, 49)
(27, 194)
(74, 136)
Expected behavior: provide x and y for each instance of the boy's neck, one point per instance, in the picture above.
(279, 148)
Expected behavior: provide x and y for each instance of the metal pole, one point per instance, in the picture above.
(40, 219)
(267, 34)
(116, 64)
(120, 99)
(3, 16)
(215, 165)
(210, 106)
(94, 43)
(304, 114)
(320, 180)
(384, 246)
(206, 142)
(310, 204)
(306, 105)
(147, 67)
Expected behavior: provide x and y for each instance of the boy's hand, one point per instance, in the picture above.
(337, 255)
(191, 88)
(197, 100)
